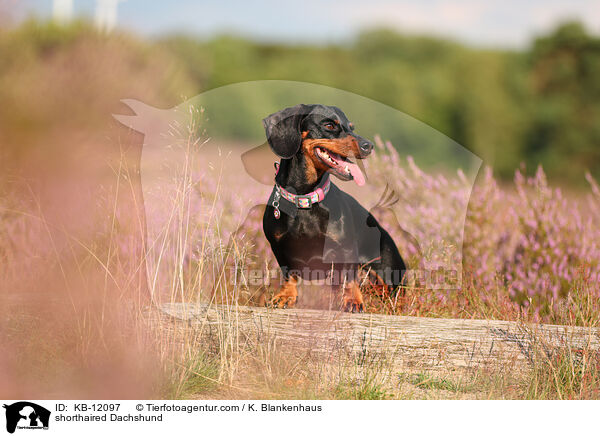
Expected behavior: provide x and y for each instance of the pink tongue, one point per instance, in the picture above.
(357, 174)
(359, 177)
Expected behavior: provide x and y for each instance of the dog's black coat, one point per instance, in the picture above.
(337, 234)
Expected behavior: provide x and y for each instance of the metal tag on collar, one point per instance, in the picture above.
(276, 197)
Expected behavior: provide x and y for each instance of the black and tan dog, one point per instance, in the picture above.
(314, 228)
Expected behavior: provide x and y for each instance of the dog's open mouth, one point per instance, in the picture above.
(341, 166)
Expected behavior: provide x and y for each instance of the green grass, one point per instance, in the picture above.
(356, 390)
(197, 375)
(426, 381)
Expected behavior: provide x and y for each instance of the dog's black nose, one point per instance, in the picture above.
(365, 146)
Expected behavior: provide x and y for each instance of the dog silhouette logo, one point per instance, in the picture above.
(26, 415)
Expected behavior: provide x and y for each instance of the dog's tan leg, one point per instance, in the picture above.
(287, 295)
(352, 300)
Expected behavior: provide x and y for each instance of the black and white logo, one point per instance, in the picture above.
(26, 415)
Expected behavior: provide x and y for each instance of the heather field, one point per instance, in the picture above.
(527, 252)
(96, 230)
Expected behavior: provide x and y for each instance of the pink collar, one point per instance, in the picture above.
(307, 200)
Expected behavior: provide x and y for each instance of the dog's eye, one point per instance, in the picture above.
(329, 126)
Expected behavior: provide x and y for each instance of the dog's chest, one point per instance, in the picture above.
(309, 223)
(310, 228)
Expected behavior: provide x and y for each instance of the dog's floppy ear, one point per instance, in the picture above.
(283, 130)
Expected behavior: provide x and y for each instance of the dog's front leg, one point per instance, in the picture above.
(352, 300)
(287, 295)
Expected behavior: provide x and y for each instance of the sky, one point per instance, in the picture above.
(493, 23)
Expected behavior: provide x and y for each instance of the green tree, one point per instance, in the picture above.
(565, 133)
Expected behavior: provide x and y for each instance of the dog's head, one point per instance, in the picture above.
(323, 134)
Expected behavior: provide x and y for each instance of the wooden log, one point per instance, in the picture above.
(406, 342)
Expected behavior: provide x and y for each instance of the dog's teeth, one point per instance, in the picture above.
(347, 169)
(325, 155)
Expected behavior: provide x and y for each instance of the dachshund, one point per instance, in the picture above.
(316, 230)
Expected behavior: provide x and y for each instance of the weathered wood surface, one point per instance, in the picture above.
(408, 342)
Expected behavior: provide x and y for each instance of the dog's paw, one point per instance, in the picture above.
(352, 300)
(353, 305)
(283, 301)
